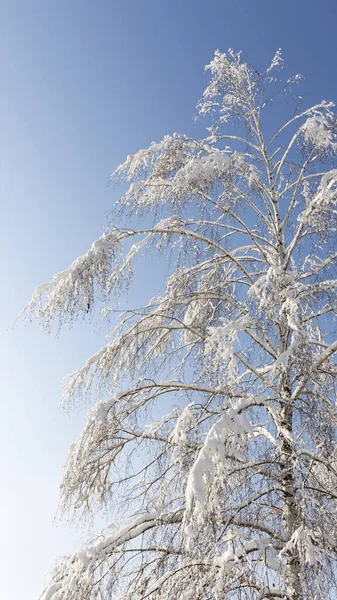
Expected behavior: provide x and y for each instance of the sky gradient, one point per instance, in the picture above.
(83, 85)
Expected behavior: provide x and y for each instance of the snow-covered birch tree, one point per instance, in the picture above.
(215, 422)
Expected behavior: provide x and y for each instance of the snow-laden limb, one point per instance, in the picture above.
(102, 268)
(178, 168)
(181, 431)
(165, 156)
(153, 334)
(80, 574)
(265, 547)
(303, 540)
(94, 459)
(291, 310)
(199, 175)
(72, 291)
(221, 344)
(225, 443)
(91, 459)
(277, 62)
(319, 128)
(322, 358)
(324, 199)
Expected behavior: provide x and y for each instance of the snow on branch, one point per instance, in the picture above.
(277, 62)
(221, 344)
(265, 547)
(110, 431)
(227, 437)
(147, 338)
(319, 130)
(230, 76)
(304, 541)
(164, 158)
(323, 200)
(77, 575)
(201, 169)
(73, 291)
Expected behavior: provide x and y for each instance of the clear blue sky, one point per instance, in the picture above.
(83, 84)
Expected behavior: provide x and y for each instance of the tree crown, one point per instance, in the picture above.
(232, 490)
